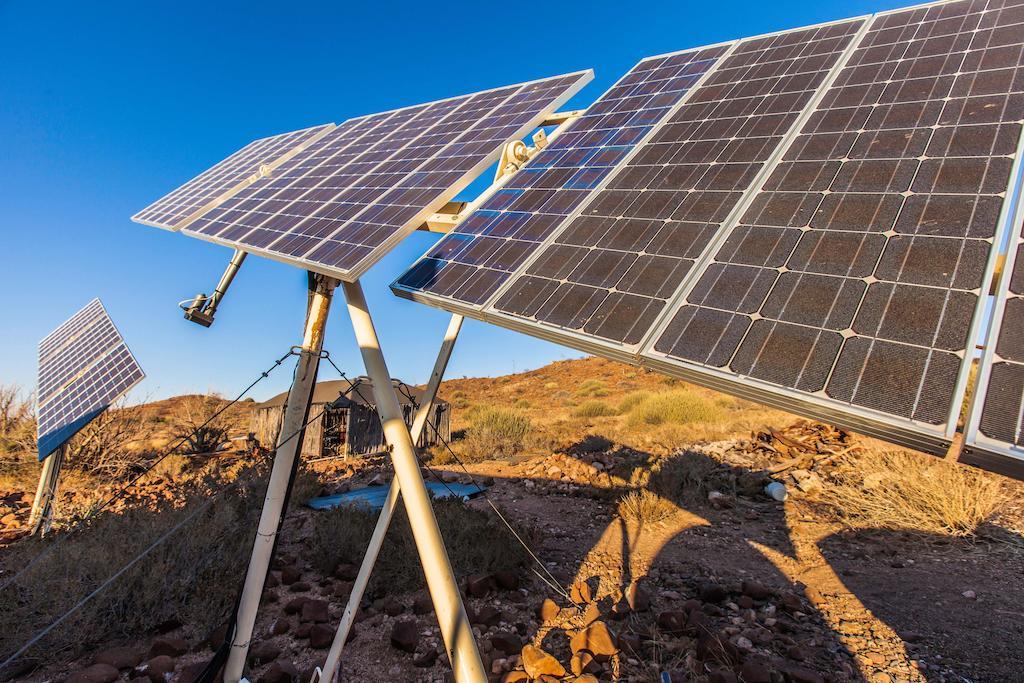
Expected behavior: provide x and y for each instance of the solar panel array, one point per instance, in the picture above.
(810, 225)
(174, 209)
(341, 203)
(84, 366)
(995, 436)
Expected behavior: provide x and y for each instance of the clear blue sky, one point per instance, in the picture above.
(106, 106)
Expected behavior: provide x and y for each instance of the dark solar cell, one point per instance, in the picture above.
(175, 208)
(84, 366)
(857, 265)
(343, 202)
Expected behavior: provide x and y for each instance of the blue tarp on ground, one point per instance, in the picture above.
(373, 497)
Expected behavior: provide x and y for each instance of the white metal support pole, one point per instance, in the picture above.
(289, 445)
(444, 592)
(41, 516)
(384, 520)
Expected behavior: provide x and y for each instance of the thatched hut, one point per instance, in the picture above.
(350, 425)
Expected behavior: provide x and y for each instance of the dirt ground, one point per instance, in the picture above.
(728, 585)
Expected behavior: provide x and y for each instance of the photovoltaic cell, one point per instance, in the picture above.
(840, 241)
(339, 205)
(84, 365)
(854, 274)
(490, 245)
(173, 210)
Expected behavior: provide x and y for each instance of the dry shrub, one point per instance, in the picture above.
(17, 421)
(688, 477)
(632, 399)
(106, 446)
(477, 542)
(594, 409)
(645, 507)
(192, 577)
(196, 425)
(593, 388)
(903, 490)
(496, 432)
(680, 406)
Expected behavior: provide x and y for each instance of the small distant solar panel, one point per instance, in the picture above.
(174, 210)
(832, 267)
(343, 202)
(84, 366)
(995, 435)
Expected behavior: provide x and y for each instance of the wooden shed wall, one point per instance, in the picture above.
(364, 434)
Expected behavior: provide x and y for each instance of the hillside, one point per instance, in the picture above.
(642, 496)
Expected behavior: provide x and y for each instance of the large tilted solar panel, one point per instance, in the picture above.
(84, 366)
(841, 278)
(202, 192)
(483, 251)
(995, 435)
(854, 275)
(343, 202)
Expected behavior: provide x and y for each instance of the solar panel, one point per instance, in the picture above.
(824, 255)
(854, 274)
(201, 193)
(995, 433)
(483, 251)
(350, 196)
(84, 366)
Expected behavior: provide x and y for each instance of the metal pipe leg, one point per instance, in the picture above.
(384, 520)
(289, 445)
(444, 592)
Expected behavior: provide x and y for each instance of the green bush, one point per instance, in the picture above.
(680, 406)
(497, 432)
(594, 409)
(476, 540)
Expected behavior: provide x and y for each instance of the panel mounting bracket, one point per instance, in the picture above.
(202, 308)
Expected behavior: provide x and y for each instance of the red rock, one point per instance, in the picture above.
(346, 572)
(392, 608)
(294, 606)
(580, 593)
(800, 675)
(479, 585)
(119, 657)
(156, 669)
(303, 629)
(673, 623)
(280, 626)
(315, 611)
(538, 663)
(300, 587)
(263, 652)
(583, 662)
(216, 637)
(638, 599)
(506, 643)
(426, 659)
(713, 592)
(281, 671)
(320, 636)
(273, 581)
(486, 615)
(290, 575)
(516, 677)
(548, 610)
(596, 639)
(722, 676)
(422, 604)
(405, 635)
(507, 580)
(97, 673)
(166, 645)
(191, 672)
(756, 590)
(754, 671)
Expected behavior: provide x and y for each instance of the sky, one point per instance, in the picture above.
(105, 107)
